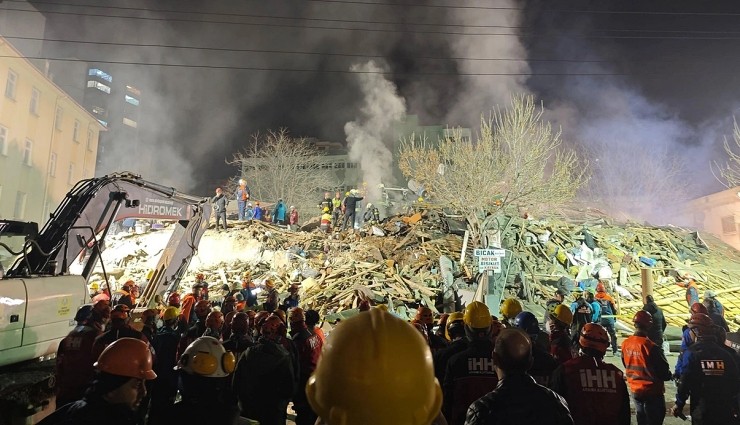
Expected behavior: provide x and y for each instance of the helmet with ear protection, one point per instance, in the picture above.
(207, 357)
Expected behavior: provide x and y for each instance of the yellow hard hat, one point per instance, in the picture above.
(395, 385)
(170, 313)
(563, 314)
(452, 318)
(325, 210)
(510, 308)
(477, 315)
(94, 286)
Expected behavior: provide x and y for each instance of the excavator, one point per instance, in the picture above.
(39, 296)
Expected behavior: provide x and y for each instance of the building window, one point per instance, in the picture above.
(71, 174)
(339, 165)
(10, 84)
(33, 107)
(94, 72)
(58, 118)
(130, 122)
(89, 140)
(53, 164)
(28, 152)
(133, 90)
(76, 132)
(98, 85)
(132, 100)
(3, 141)
(104, 123)
(20, 205)
(728, 224)
(352, 165)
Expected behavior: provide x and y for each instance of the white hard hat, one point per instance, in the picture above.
(207, 357)
(292, 207)
(249, 204)
(369, 205)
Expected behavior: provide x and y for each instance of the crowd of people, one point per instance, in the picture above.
(259, 352)
(246, 211)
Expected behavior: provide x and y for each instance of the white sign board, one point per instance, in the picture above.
(489, 259)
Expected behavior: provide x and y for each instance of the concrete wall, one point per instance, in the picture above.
(718, 213)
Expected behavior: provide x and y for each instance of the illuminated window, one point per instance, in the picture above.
(132, 100)
(339, 165)
(133, 90)
(33, 107)
(100, 74)
(10, 84)
(130, 123)
(98, 85)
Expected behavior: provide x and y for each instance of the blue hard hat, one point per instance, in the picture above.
(527, 322)
(83, 313)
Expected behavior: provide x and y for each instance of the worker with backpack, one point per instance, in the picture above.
(608, 311)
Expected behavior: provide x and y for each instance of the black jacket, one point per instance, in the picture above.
(469, 375)
(442, 357)
(91, 410)
(350, 203)
(659, 324)
(518, 400)
(264, 382)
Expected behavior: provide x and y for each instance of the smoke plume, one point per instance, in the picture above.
(382, 106)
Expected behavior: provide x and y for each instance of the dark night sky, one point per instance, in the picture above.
(677, 81)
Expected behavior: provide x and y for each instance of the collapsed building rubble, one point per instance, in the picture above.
(397, 262)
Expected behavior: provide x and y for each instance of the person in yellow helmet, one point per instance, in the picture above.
(455, 333)
(394, 385)
(325, 223)
(559, 329)
(509, 310)
(470, 373)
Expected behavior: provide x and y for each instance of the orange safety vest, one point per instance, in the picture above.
(641, 379)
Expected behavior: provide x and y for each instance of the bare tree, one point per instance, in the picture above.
(729, 173)
(516, 163)
(277, 166)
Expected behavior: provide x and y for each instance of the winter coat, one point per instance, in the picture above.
(258, 213)
(293, 217)
(518, 399)
(74, 364)
(219, 203)
(655, 333)
(266, 362)
(242, 194)
(112, 335)
(442, 357)
(350, 203)
(469, 376)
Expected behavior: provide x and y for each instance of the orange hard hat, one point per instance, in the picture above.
(200, 276)
(240, 323)
(594, 336)
(215, 319)
(120, 312)
(128, 357)
(297, 315)
(202, 308)
(424, 315)
(272, 326)
(600, 287)
(698, 308)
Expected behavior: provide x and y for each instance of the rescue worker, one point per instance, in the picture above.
(645, 367)
(123, 295)
(188, 302)
(326, 202)
(583, 313)
(214, 324)
(293, 218)
(280, 213)
(470, 373)
(715, 311)
(292, 300)
(273, 297)
(258, 213)
(74, 362)
(259, 319)
(116, 390)
(595, 391)
(119, 328)
(336, 207)
(517, 399)
(372, 215)
(350, 207)
(149, 320)
(560, 339)
(205, 368)
(308, 347)
(425, 318)
(509, 309)
(265, 362)
(202, 309)
(248, 290)
(557, 299)
(240, 338)
(394, 383)
(442, 326)
(325, 221)
(709, 376)
(455, 333)
(312, 320)
(219, 208)
(687, 339)
(242, 197)
(710, 297)
(173, 300)
(228, 309)
(608, 308)
(655, 333)
(164, 387)
(692, 289)
(543, 364)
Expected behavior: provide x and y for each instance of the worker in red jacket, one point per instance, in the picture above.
(119, 328)
(595, 391)
(646, 368)
(308, 346)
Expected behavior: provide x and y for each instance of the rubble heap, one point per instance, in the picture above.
(398, 261)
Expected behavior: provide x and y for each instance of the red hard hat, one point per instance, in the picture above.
(600, 287)
(202, 308)
(240, 323)
(643, 319)
(700, 320)
(424, 315)
(259, 318)
(698, 308)
(215, 319)
(200, 276)
(272, 326)
(173, 300)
